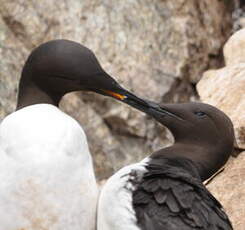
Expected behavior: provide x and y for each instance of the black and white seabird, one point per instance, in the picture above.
(46, 174)
(165, 191)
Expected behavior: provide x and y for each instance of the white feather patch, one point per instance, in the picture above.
(46, 174)
(115, 210)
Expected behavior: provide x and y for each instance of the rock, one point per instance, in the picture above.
(229, 188)
(225, 88)
(156, 49)
(234, 49)
(12, 56)
(238, 15)
(242, 22)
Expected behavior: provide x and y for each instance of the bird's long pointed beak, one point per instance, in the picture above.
(146, 106)
(132, 100)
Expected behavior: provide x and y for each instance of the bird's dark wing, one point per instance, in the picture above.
(175, 200)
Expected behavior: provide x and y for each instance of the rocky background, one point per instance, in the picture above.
(158, 49)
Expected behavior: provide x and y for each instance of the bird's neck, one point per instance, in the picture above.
(31, 94)
(198, 154)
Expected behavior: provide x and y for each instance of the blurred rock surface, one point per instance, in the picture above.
(229, 188)
(234, 49)
(157, 49)
(238, 15)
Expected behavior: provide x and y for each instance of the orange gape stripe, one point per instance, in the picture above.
(116, 95)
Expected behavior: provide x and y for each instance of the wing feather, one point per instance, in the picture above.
(169, 200)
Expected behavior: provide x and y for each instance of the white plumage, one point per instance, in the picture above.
(46, 174)
(115, 210)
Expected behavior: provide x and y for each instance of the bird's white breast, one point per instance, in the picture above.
(46, 173)
(115, 210)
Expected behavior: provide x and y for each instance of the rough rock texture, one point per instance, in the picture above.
(155, 48)
(238, 15)
(225, 88)
(12, 56)
(234, 49)
(229, 188)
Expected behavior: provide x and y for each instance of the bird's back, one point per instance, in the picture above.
(159, 195)
(46, 174)
(170, 197)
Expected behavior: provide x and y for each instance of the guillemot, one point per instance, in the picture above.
(165, 190)
(47, 179)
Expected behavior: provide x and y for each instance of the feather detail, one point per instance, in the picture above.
(170, 197)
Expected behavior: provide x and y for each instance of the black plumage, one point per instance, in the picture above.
(171, 196)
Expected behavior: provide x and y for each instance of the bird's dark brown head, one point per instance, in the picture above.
(62, 66)
(202, 132)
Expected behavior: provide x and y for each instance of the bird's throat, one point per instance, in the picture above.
(33, 95)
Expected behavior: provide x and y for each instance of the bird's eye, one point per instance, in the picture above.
(200, 113)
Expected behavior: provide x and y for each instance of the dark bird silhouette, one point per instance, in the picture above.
(46, 173)
(58, 67)
(165, 190)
